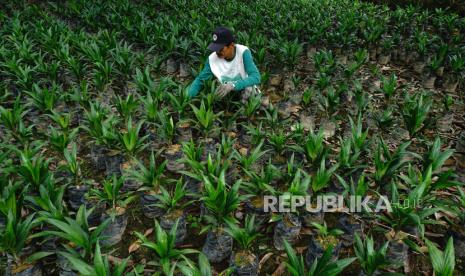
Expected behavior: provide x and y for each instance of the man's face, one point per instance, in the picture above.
(226, 52)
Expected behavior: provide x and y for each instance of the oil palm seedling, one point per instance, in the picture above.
(324, 61)
(271, 116)
(205, 118)
(457, 64)
(434, 157)
(167, 255)
(278, 140)
(81, 94)
(75, 231)
(22, 74)
(328, 100)
(244, 261)
(130, 141)
(415, 112)
(249, 159)
(322, 177)
(255, 133)
(100, 124)
(371, 260)
(214, 165)
(252, 105)
(433, 66)
(49, 201)
(124, 58)
(354, 188)
(323, 239)
(447, 101)
(226, 145)
(291, 50)
(102, 74)
(12, 119)
(384, 119)
(443, 261)
(288, 227)
(389, 85)
(412, 212)
(189, 268)
(362, 99)
(33, 168)
(151, 107)
(145, 83)
(166, 126)
(9, 200)
(321, 266)
(173, 204)
(44, 99)
(77, 189)
(13, 241)
(192, 157)
(359, 135)
(220, 202)
(180, 101)
(99, 266)
(150, 177)
(307, 96)
(387, 163)
(314, 147)
(60, 140)
(259, 185)
(126, 107)
(62, 120)
(348, 156)
(116, 203)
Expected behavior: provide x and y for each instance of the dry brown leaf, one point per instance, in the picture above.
(264, 259)
(117, 260)
(280, 270)
(136, 245)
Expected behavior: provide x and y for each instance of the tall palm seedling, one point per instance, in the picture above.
(220, 202)
(205, 117)
(245, 261)
(321, 266)
(167, 255)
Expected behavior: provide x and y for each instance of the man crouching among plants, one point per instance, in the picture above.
(232, 65)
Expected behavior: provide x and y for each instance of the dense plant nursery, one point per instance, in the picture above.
(173, 137)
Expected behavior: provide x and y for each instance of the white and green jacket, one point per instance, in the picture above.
(241, 70)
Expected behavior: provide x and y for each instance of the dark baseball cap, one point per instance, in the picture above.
(222, 36)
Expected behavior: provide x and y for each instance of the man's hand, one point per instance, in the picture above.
(224, 89)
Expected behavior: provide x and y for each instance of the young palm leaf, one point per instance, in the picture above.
(323, 266)
(220, 200)
(415, 112)
(370, 259)
(100, 265)
(164, 247)
(248, 160)
(130, 140)
(322, 176)
(243, 236)
(443, 262)
(188, 268)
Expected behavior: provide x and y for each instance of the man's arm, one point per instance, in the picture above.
(253, 76)
(197, 84)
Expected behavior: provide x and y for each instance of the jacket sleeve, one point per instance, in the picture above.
(253, 76)
(197, 84)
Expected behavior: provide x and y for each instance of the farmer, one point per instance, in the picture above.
(231, 64)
